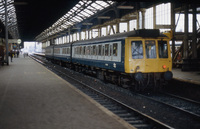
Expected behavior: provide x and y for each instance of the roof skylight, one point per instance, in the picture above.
(12, 19)
(82, 10)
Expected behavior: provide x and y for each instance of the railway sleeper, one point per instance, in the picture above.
(142, 126)
(125, 115)
(120, 111)
(132, 119)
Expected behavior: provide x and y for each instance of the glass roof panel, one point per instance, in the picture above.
(88, 11)
(82, 10)
(96, 6)
(12, 19)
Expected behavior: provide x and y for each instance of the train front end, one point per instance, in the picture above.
(148, 60)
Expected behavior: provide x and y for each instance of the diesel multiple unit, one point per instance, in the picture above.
(139, 58)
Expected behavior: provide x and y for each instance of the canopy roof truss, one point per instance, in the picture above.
(80, 12)
(11, 19)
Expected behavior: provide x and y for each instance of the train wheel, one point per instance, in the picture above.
(137, 86)
(60, 63)
(124, 82)
(100, 75)
(157, 85)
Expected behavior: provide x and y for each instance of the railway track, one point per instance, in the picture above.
(134, 117)
(187, 106)
(169, 109)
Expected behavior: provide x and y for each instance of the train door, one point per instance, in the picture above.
(107, 52)
(116, 53)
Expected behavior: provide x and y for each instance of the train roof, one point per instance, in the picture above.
(144, 33)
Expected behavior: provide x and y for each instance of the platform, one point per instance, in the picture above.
(186, 76)
(32, 97)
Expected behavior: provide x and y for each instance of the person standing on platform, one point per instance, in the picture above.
(24, 54)
(17, 54)
(11, 55)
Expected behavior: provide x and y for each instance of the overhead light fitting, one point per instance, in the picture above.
(87, 23)
(76, 28)
(103, 17)
(125, 7)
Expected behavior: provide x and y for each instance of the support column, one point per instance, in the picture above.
(106, 31)
(99, 32)
(6, 32)
(186, 61)
(128, 26)
(194, 61)
(138, 27)
(173, 31)
(117, 28)
(79, 35)
(143, 18)
(154, 17)
(194, 36)
(89, 33)
(185, 46)
(69, 33)
(51, 42)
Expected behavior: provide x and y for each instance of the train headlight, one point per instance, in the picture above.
(164, 66)
(139, 76)
(168, 75)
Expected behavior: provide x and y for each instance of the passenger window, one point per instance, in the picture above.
(103, 50)
(94, 50)
(84, 50)
(163, 49)
(80, 50)
(64, 51)
(107, 50)
(115, 49)
(99, 53)
(110, 53)
(150, 47)
(91, 50)
(88, 50)
(137, 49)
(75, 50)
(67, 50)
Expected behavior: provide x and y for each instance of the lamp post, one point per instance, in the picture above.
(6, 31)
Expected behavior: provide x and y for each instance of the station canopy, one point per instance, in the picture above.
(11, 18)
(80, 12)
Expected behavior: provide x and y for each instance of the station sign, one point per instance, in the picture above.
(18, 41)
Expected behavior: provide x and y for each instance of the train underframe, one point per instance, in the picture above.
(137, 81)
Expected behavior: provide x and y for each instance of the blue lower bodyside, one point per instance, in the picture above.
(66, 59)
(110, 65)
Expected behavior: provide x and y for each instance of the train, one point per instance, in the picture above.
(138, 59)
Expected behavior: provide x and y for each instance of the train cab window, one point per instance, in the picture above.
(150, 47)
(163, 49)
(115, 49)
(107, 50)
(137, 49)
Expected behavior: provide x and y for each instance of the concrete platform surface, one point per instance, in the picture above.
(32, 97)
(189, 76)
